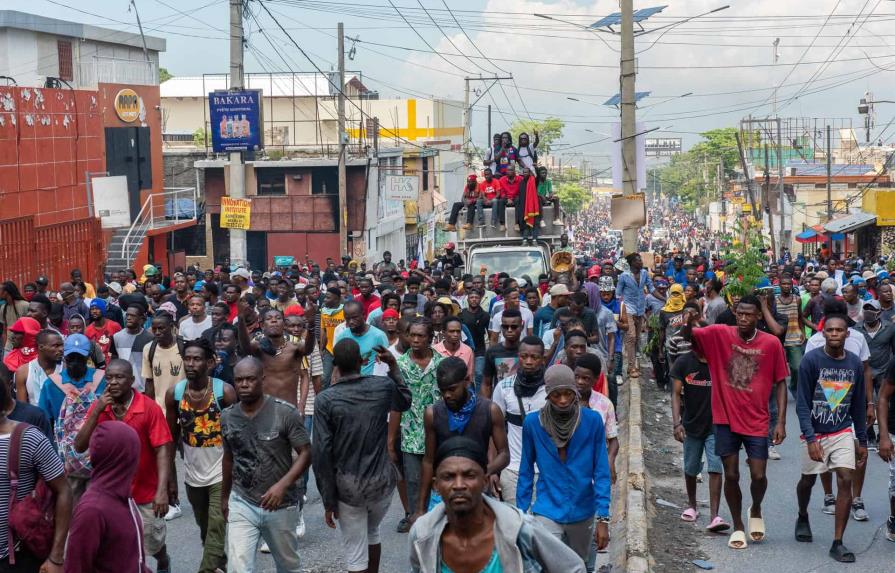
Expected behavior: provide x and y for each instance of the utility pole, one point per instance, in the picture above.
(780, 183)
(766, 202)
(343, 140)
(237, 167)
(488, 139)
(829, 178)
(745, 167)
(467, 112)
(628, 123)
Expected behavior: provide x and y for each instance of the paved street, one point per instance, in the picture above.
(780, 552)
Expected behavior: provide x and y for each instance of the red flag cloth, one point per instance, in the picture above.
(532, 203)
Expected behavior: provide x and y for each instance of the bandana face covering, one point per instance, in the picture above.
(457, 421)
(676, 300)
(527, 384)
(560, 423)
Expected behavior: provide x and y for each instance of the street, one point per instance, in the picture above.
(780, 551)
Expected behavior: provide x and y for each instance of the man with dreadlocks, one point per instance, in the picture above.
(568, 445)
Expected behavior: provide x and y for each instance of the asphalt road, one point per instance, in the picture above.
(780, 552)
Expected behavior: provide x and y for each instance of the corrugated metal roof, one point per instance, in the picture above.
(820, 168)
(57, 27)
(277, 85)
(851, 222)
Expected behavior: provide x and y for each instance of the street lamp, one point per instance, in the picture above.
(865, 108)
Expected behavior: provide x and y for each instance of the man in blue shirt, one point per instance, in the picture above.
(568, 444)
(677, 272)
(633, 286)
(76, 373)
(367, 337)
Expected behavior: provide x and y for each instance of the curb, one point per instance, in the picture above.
(630, 504)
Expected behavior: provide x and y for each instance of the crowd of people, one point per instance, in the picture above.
(488, 402)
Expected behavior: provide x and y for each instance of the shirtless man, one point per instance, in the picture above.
(280, 356)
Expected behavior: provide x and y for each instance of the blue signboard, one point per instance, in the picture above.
(236, 120)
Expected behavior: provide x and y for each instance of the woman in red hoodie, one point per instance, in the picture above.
(106, 533)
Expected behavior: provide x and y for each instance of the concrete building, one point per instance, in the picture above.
(81, 151)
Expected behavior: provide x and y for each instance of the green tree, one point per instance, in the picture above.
(164, 75)
(199, 137)
(572, 196)
(549, 130)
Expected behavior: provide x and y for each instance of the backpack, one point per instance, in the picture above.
(72, 415)
(32, 518)
(154, 344)
(217, 387)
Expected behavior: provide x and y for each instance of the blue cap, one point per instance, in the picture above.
(77, 343)
(882, 275)
(763, 282)
(198, 286)
(858, 281)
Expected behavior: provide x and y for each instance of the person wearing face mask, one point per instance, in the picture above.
(573, 487)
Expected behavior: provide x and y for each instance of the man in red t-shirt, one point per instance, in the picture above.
(365, 295)
(509, 192)
(746, 365)
(150, 488)
(489, 189)
(101, 329)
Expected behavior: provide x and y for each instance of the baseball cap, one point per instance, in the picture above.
(868, 275)
(873, 303)
(241, 272)
(390, 313)
(115, 287)
(594, 271)
(42, 280)
(472, 177)
(449, 246)
(882, 275)
(559, 290)
(856, 280)
(76, 343)
(763, 282)
(660, 282)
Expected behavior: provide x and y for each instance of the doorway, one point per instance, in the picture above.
(128, 153)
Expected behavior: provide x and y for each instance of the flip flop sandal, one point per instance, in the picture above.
(690, 514)
(718, 525)
(803, 531)
(737, 540)
(841, 554)
(756, 527)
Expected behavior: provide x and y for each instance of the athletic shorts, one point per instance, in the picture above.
(360, 528)
(728, 443)
(839, 452)
(154, 530)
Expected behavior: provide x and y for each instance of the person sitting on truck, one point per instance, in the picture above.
(490, 192)
(545, 194)
(509, 193)
(472, 200)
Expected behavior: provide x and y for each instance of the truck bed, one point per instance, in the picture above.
(493, 236)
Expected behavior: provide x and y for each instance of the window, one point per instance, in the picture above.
(66, 70)
(425, 164)
(325, 181)
(271, 181)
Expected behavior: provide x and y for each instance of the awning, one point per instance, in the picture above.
(850, 223)
(810, 236)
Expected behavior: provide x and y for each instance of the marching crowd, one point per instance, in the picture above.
(488, 402)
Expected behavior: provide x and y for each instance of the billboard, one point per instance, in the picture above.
(236, 120)
(402, 187)
(663, 146)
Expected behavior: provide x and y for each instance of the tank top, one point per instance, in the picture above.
(477, 429)
(203, 449)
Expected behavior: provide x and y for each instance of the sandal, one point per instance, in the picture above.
(737, 540)
(803, 531)
(690, 514)
(841, 554)
(718, 525)
(756, 527)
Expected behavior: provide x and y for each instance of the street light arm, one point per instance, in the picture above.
(684, 21)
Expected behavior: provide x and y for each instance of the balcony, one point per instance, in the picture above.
(98, 69)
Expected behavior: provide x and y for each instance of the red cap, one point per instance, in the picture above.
(390, 313)
(472, 177)
(294, 310)
(594, 271)
(449, 246)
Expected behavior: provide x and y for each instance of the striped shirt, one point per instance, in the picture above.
(37, 456)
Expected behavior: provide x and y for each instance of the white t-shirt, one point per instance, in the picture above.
(191, 330)
(855, 343)
(505, 398)
(527, 322)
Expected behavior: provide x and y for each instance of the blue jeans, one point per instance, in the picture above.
(793, 359)
(327, 368)
(303, 480)
(248, 524)
(772, 421)
(479, 372)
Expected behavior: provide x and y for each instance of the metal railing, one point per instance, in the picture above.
(102, 69)
(174, 205)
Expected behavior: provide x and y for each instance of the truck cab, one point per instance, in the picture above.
(491, 250)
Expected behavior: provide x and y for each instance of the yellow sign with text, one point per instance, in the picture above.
(127, 105)
(235, 213)
(885, 208)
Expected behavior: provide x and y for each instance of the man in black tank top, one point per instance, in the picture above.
(461, 412)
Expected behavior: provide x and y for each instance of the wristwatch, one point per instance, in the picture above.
(603, 519)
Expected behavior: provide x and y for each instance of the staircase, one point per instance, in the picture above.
(174, 206)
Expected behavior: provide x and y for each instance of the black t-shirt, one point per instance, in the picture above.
(890, 379)
(727, 317)
(477, 323)
(500, 362)
(588, 319)
(697, 397)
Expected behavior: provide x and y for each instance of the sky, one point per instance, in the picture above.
(830, 53)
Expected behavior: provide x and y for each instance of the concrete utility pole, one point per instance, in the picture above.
(343, 141)
(766, 200)
(628, 126)
(829, 177)
(237, 168)
(780, 183)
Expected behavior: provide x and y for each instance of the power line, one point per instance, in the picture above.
(440, 55)
(448, 38)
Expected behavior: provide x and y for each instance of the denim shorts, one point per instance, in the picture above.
(693, 450)
(728, 443)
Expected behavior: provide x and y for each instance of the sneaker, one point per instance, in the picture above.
(404, 524)
(174, 512)
(773, 453)
(543, 224)
(300, 528)
(890, 528)
(264, 547)
(503, 227)
(857, 510)
(829, 504)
